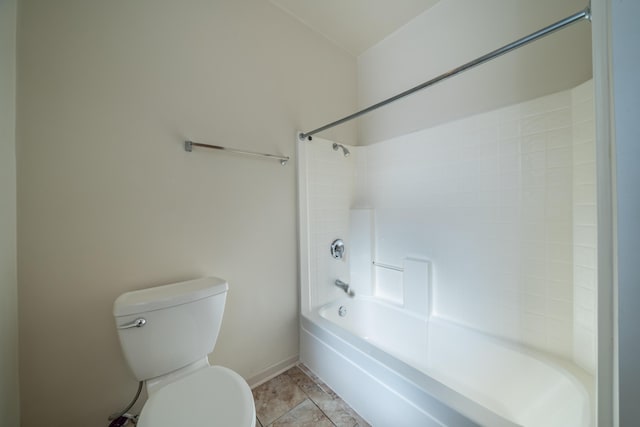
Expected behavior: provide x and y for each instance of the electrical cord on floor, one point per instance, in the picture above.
(117, 415)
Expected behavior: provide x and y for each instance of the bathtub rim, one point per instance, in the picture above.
(325, 330)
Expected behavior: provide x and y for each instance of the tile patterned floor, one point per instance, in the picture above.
(298, 398)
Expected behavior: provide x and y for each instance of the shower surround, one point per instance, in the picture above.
(497, 211)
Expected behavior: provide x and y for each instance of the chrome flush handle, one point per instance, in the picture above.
(138, 323)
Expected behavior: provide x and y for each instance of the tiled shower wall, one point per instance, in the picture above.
(493, 202)
(502, 204)
(584, 227)
(330, 188)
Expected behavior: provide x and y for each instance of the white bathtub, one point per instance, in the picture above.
(397, 369)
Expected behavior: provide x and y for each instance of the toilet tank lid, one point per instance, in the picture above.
(170, 295)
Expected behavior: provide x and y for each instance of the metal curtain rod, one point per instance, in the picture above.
(188, 146)
(584, 14)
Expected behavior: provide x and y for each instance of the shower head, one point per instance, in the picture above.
(345, 151)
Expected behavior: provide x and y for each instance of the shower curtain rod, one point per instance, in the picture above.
(584, 14)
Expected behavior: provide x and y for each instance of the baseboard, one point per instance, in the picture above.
(272, 371)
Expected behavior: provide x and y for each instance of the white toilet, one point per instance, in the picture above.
(166, 333)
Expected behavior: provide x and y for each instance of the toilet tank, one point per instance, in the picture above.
(181, 324)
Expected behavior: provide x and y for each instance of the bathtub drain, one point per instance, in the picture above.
(342, 311)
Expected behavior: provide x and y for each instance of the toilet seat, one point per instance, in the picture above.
(210, 397)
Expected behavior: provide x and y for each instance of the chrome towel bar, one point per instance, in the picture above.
(188, 146)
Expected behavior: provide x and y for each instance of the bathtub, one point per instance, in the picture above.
(398, 369)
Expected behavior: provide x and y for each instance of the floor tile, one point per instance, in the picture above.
(326, 399)
(276, 397)
(308, 372)
(306, 414)
(300, 377)
(334, 408)
(297, 397)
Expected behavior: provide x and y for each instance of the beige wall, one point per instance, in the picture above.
(457, 31)
(9, 409)
(110, 202)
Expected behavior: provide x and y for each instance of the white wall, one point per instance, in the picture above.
(9, 408)
(110, 202)
(490, 200)
(626, 91)
(454, 32)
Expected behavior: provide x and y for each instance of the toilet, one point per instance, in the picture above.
(166, 333)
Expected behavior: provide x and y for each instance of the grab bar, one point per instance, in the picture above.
(188, 146)
(388, 267)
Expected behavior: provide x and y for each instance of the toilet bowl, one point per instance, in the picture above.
(166, 333)
(214, 396)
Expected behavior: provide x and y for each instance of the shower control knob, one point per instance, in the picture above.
(337, 249)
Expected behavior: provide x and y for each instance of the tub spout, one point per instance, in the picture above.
(345, 287)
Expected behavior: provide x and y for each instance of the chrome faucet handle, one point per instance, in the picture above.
(337, 249)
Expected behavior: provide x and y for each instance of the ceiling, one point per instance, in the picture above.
(354, 25)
